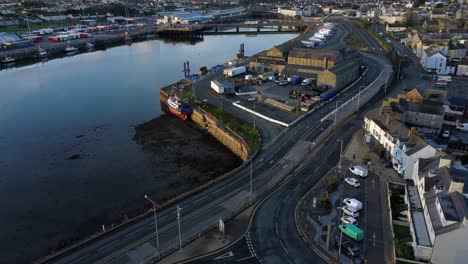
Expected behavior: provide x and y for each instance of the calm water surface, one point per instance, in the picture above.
(87, 105)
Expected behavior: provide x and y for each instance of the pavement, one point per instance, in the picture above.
(282, 150)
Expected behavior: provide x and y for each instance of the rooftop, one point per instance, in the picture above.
(313, 54)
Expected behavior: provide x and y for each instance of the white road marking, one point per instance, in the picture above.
(245, 258)
(261, 159)
(219, 190)
(108, 245)
(196, 201)
(271, 161)
(297, 187)
(284, 248)
(78, 260)
(161, 218)
(136, 231)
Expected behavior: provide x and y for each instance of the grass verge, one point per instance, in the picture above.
(382, 42)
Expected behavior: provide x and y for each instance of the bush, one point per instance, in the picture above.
(325, 202)
(332, 183)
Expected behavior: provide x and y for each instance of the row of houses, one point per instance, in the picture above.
(435, 191)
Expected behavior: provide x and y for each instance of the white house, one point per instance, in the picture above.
(396, 27)
(438, 211)
(434, 61)
(290, 12)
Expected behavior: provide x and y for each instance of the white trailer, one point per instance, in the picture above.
(235, 71)
(319, 36)
(222, 88)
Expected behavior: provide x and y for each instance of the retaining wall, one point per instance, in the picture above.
(206, 121)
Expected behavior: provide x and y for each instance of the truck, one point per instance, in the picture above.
(222, 87)
(43, 31)
(235, 71)
(352, 231)
(359, 171)
(295, 80)
(328, 94)
(265, 76)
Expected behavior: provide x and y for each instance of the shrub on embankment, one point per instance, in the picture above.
(382, 42)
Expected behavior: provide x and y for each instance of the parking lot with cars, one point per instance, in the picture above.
(360, 206)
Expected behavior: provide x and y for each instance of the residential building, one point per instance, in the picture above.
(462, 68)
(437, 211)
(433, 60)
(289, 12)
(431, 25)
(396, 27)
(437, 13)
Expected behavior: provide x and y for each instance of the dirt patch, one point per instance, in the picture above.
(182, 154)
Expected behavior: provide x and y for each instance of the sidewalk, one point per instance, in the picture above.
(212, 241)
(355, 152)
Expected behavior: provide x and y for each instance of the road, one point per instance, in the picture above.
(136, 242)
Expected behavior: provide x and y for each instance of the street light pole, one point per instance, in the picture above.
(178, 222)
(155, 221)
(336, 111)
(251, 160)
(386, 83)
(341, 154)
(359, 97)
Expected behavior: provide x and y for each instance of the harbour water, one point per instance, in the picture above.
(66, 129)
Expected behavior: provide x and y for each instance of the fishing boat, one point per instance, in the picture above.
(42, 53)
(89, 45)
(179, 108)
(8, 60)
(71, 49)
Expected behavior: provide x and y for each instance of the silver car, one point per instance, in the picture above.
(352, 181)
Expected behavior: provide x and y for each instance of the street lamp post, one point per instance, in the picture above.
(359, 97)
(386, 83)
(251, 159)
(336, 111)
(341, 154)
(178, 222)
(155, 221)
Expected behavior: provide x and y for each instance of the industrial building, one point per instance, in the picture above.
(342, 74)
(272, 60)
(12, 41)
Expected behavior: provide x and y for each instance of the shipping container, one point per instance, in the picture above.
(54, 38)
(222, 87)
(235, 71)
(328, 94)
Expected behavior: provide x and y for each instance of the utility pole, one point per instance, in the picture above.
(336, 111)
(155, 222)
(341, 154)
(178, 222)
(386, 83)
(359, 97)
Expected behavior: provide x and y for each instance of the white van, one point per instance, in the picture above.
(351, 211)
(462, 127)
(359, 171)
(353, 203)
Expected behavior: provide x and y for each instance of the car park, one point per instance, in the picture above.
(351, 202)
(352, 181)
(348, 220)
(350, 211)
(359, 171)
(348, 248)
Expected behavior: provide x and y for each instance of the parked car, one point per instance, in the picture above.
(446, 134)
(348, 248)
(350, 211)
(359, 171)
(282, 83)
(352, 203)
(352, 181)
(349, 220)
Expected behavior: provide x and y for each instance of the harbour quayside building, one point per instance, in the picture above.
(330, 68)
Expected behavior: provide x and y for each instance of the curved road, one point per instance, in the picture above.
(136, 242)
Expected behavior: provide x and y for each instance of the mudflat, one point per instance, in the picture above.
(69, 206)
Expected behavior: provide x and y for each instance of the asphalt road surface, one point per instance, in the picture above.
(205, 207)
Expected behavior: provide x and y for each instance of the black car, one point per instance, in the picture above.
(348, 248)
